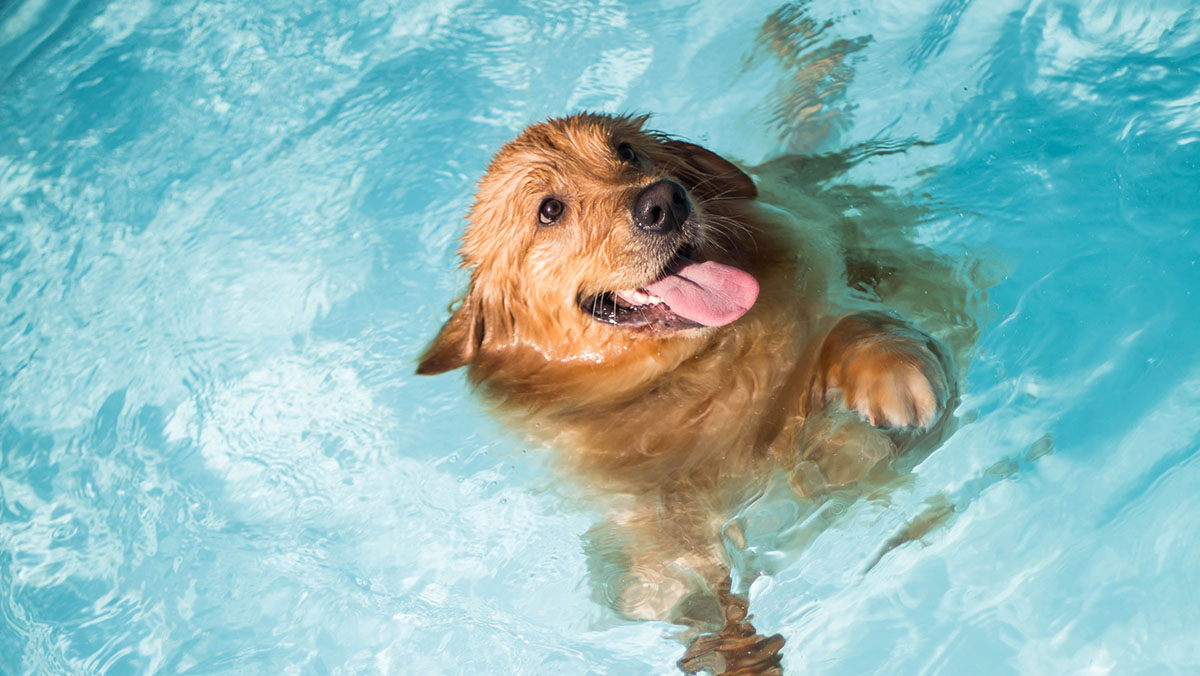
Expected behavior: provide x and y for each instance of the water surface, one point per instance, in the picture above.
(226, 230)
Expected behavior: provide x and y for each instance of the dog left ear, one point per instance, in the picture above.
(708, 174)
(457, 342)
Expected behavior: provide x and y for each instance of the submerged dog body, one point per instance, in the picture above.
(636, 303)
(650, 400)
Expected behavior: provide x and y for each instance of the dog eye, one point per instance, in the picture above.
(550, 211)
(626, 153)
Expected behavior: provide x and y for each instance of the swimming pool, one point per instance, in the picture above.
(227, 229)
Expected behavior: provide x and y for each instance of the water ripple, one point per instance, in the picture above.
(226, 230)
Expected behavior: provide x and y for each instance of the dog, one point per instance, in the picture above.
(676, 329)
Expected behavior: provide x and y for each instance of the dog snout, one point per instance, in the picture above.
(661, 208)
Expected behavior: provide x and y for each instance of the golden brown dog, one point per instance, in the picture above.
(673, 328)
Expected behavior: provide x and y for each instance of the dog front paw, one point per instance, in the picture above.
(884, 371)
(893, 391)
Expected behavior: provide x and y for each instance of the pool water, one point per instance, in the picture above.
(227, 229)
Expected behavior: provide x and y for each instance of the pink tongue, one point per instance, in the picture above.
(707, 293)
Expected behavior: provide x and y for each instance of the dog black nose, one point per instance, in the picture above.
(661, 207)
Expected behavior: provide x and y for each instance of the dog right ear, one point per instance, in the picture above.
(456, 344)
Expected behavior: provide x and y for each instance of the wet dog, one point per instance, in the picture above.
(673, 327)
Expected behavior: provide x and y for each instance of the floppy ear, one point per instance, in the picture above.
(457, 342)
(708, 174)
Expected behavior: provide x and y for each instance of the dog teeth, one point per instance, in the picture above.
(640, 297)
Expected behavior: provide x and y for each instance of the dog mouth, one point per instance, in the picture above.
(687, 294)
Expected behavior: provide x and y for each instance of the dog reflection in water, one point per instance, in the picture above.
(680, 333)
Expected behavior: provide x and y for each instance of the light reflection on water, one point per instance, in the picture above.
(226, 230)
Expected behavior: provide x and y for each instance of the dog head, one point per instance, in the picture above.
(591, 238)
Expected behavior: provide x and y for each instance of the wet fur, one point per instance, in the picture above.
(683, 423)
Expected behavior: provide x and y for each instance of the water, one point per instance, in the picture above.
(226, 230)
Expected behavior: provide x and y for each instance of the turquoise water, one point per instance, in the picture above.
(226, 230)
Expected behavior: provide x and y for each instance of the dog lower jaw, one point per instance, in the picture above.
(608, 308)
(636, 308)
(708, 294)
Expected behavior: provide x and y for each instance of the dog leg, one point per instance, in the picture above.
(665, 563)
(883, 369)
(738, 649)
(658, 559)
